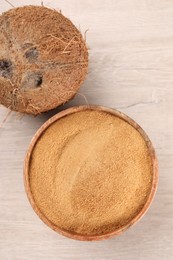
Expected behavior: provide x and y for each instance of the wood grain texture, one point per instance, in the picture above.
(131, 69)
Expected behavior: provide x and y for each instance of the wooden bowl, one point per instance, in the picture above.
(154, 171)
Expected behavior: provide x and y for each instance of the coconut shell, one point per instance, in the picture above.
(43, 59)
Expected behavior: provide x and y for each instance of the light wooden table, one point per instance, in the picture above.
(131, 68)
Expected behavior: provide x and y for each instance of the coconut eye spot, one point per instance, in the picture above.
(5, 68)
(31, 54)
(32, 80)
(38, 79)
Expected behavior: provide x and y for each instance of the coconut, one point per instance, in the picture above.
(43, 59)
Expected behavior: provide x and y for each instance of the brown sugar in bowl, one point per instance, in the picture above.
(43, 59)
(90, 173)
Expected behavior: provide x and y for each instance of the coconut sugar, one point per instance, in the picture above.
(90, 173)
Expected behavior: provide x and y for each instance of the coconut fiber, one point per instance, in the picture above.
(43, 59)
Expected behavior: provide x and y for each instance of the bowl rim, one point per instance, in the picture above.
(62, 114)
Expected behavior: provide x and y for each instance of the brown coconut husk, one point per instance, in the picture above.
(43, 59)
